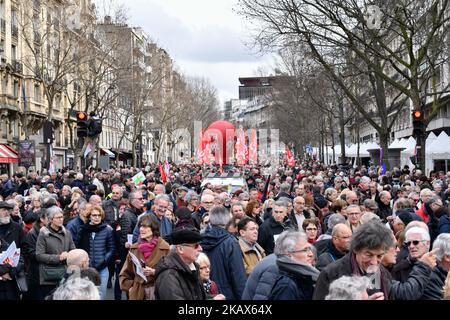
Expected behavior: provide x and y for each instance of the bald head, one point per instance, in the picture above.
(77, 259)
(341, 235)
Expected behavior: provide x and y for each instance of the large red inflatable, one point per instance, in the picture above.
(222, 136)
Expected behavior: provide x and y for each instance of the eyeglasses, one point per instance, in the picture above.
(96, 215)
(138, 199)
(192, 245)
(414, 242)
(302, 250)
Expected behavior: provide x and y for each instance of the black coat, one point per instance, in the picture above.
(267, 230)
(175, 281)
(433, 291)
(412, 289)
(12, 232)
(331, 255)
(8, 288)
(402, 269)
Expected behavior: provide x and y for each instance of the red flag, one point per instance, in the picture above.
(200, 149)
(289, 158)
(241, 152)
(253, 148)
(163, 173)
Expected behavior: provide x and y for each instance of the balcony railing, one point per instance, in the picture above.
(17, 66)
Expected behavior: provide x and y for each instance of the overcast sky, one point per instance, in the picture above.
(204, 37)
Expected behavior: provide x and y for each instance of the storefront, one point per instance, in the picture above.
(8, 157)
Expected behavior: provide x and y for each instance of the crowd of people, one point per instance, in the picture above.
(309, 232)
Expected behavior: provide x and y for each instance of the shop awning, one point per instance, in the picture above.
(109, 153)
(8, 155)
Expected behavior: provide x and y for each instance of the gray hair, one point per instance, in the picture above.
(81, 203)
(79, 176)
(160, 197)
(287, 241)
(285, 187)
(371, 235)
(281, 203)
(188, 197)
(287, 200)
(76, 288)
(244, 195)
(417, 230)
(219, 216)
(434, 199)
(442, 243)
(202, 257)
(328, 192)
(52, 211)
(335, 219)
(348, 288)
(365, 179)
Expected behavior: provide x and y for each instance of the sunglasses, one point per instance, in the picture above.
(414, 242)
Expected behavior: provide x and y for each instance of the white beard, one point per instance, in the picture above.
(5, 220)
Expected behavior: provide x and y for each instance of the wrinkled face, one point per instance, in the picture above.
(159, 189)
(237, 212)
(302, 253)
(369, 257)
(352, 198)
(161, 208)
(96, 217)
(208, 202)
(386, 199)
(299, 204)
(57, 220)
(300, 191)
(417, 247)
(145, 232)
(137, 201)
(279, 213)
(311, 231)
(4, 216)
(204, 271)
(116, 194)
(189, 251)
(342, 239)
(250, 234)
(390, 258)
(354, 215)
(254, 195)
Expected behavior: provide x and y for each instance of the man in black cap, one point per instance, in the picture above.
(9, 230)
(177, 275)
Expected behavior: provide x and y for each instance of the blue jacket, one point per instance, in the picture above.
(227, 266)
(261, 280)
(74, 226)
(98, 242)
(444, 224)
(165, 226)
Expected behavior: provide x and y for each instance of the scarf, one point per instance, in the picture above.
(147, 247)
(207, 285)
(289, 265)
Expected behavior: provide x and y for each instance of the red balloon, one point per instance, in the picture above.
(222, 135)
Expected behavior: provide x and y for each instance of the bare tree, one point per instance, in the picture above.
(395, 44)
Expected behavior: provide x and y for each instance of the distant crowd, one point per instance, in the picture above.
(308, 232)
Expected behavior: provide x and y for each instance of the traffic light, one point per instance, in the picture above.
(417, 121)
(82, 127)
(94, 126)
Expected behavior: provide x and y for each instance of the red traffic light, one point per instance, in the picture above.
(81, 115)
(417, 114)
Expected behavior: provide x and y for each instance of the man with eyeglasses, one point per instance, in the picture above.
(207, 202)
(161, 205)
(368, 245)
(177, 274)
(417, 240)
(337, 247)
(297, 275)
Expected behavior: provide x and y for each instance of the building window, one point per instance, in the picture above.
(16, 89)
(37, 93)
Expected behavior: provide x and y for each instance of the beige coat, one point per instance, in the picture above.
(130, 281)
(250, 257)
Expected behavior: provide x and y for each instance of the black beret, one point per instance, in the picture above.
(181, 236)
(405, 216)
(6, 205)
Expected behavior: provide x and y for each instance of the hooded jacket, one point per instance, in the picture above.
(176, 281)
(227, 266)
(295, 282)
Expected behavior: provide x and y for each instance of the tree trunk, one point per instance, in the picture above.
(384, 145)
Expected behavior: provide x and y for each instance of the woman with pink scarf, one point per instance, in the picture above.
(149, 249)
